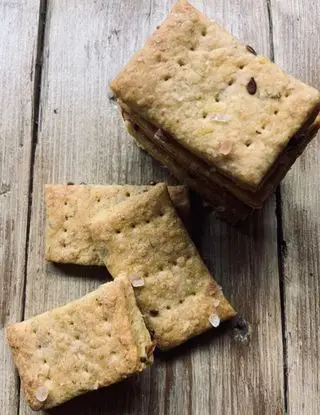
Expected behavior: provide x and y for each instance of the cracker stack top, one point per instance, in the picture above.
(215, 96)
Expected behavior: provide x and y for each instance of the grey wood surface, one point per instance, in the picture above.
(296, 25)
(80, 138)
(18, 49)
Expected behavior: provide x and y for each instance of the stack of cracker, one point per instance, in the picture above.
(225, 121)
(162, 293)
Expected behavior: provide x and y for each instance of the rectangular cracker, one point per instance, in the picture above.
(90, 343)
(216, 184)
(70, 207)
(224, 204)
(215, 97)
(143, 240)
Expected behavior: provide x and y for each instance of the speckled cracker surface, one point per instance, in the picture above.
(90, 343)
(235, 110)
(224, 204)
(144, 241)
(220, 192)
(70, 207)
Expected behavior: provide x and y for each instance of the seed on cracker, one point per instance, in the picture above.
(220, 117)
(92, 342)
(180, 162)
(136, 281)
(215, 72)
(181, 294)
(225, 147)
(252, 86)
(214, 320)
(70, 208)
(42, 393)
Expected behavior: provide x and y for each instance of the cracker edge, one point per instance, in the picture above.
(226, 309)
(142, 350)
(118, 85)
(179, 195)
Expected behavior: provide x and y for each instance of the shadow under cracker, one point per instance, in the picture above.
(97, 273)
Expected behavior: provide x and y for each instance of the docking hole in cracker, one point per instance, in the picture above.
(179, 293)
(90, 343)
(69, 208)
(179, 111)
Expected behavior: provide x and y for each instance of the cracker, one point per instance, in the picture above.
(231, 108)
(87, 344)
(218, 186)
(144, 239)
(224, 204)
(69, 207)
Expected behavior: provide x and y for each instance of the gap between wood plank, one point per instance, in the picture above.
(35, 118)
(270, 21)
(281, 245)
(36, 107)
(281, 255)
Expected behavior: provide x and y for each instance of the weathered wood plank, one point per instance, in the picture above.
(81, 138)
(243, 379)
(296, 41)
(18, 34)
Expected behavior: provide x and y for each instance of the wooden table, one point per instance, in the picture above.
(57, 124)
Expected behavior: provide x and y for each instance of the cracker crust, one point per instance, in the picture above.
(89, 343)
(70, 207)
(182, 99)
(144, 237)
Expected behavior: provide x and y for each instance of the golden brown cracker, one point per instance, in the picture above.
(70, 207)
(143, 240)
(87, 344)
(233, 109)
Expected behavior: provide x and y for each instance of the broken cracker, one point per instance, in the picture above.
(70, 207)
(144, 238)
(90, 343)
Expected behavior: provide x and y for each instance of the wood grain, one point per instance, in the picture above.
(82, 139)
(296, 25)
(243, 379)
(18, 34)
